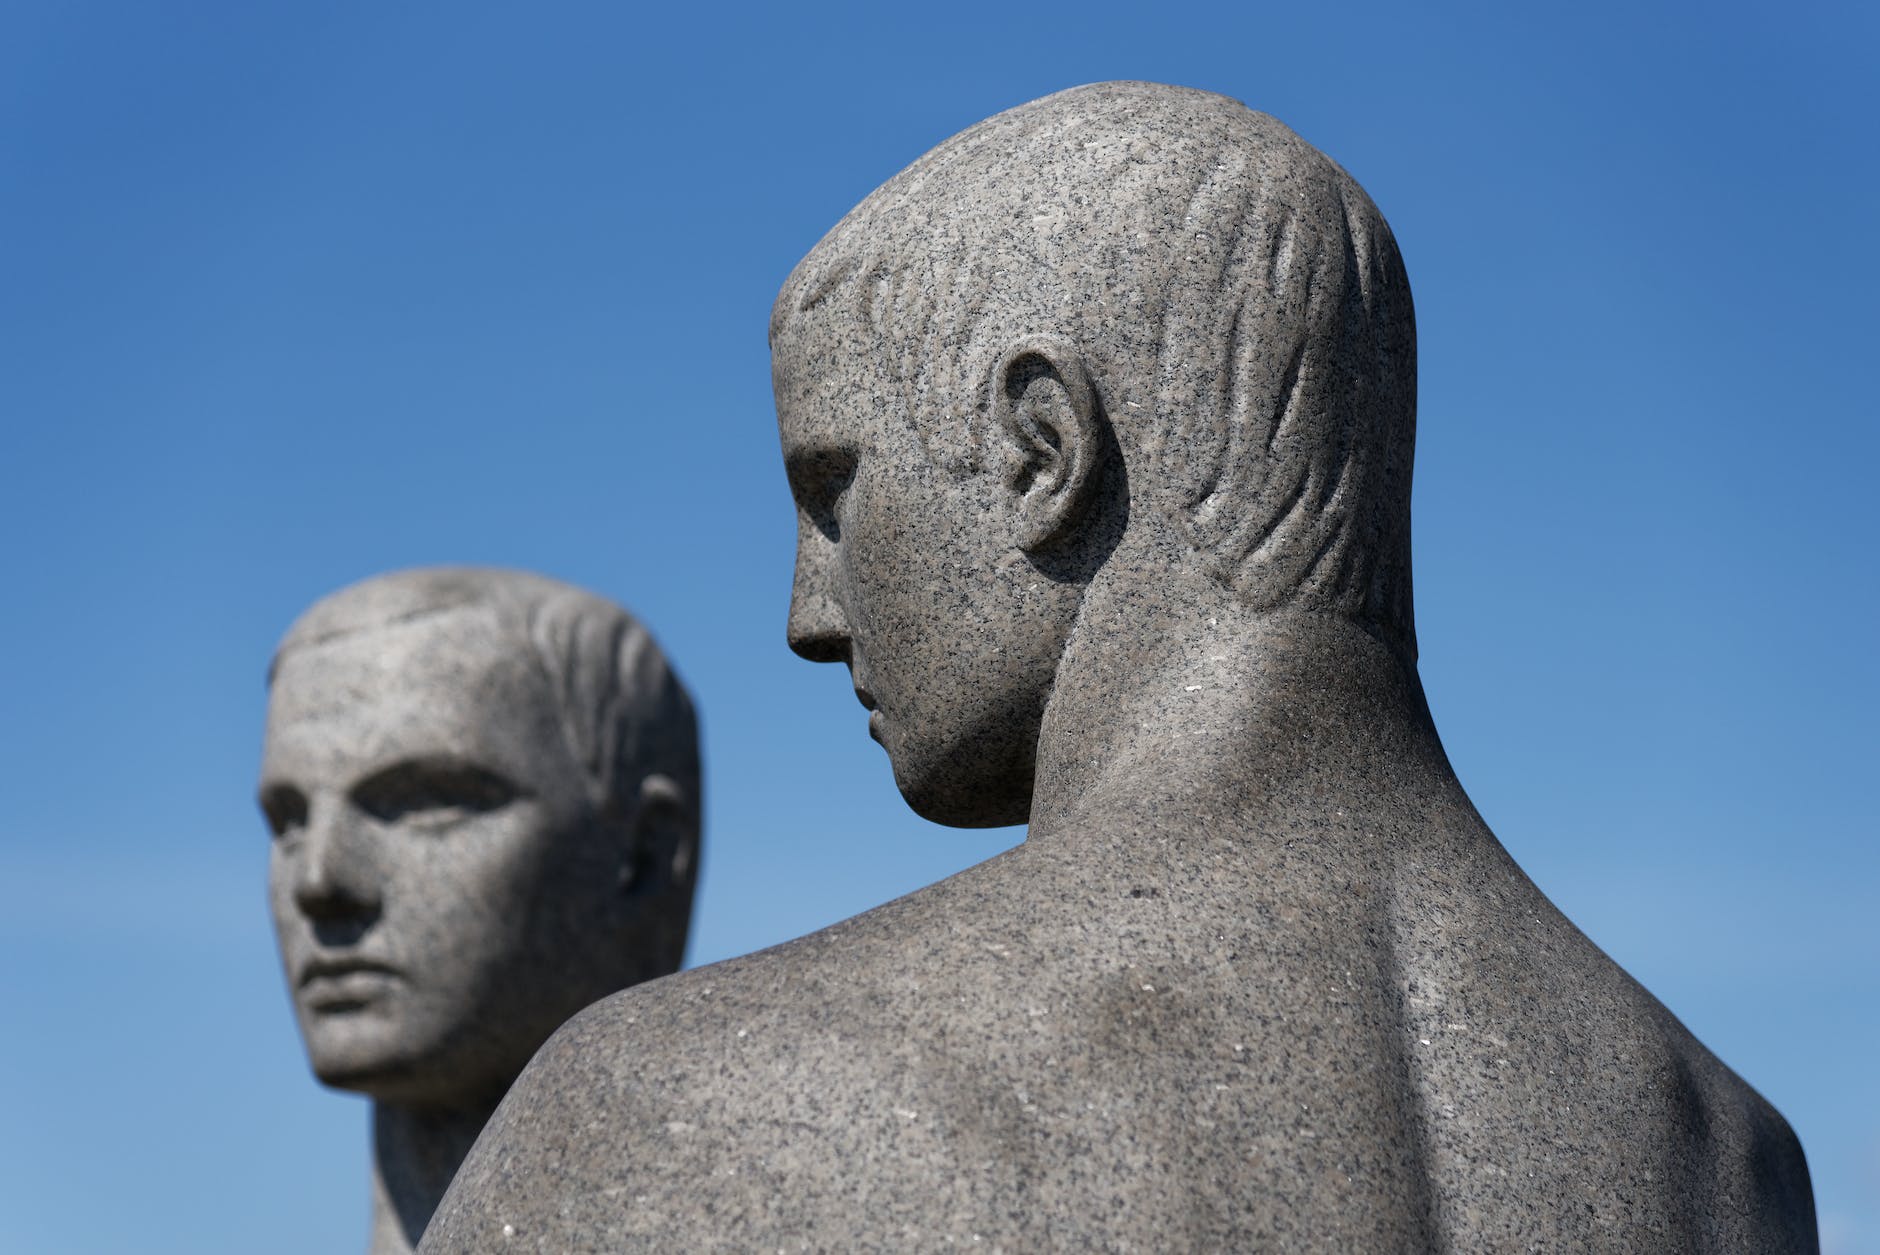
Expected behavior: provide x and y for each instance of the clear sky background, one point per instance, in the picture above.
(293, 294)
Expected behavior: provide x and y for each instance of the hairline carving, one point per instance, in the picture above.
(1292, 478)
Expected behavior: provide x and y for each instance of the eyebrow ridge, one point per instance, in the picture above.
(442, 761)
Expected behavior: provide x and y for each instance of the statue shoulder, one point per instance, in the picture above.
(659, 1111)
(1535, 1052)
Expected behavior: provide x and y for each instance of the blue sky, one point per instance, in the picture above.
(294, 294)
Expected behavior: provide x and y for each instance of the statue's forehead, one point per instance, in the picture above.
(454, 683)
(830, 373)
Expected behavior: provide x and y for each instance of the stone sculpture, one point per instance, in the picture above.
(484, 790)
(1099, 421)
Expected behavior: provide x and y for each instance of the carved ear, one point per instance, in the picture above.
(1043, 402)
(660, 846)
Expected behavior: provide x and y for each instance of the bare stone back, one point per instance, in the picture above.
(1098, 419)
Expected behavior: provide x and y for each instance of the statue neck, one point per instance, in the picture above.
(415, 1153)
(1187, 712)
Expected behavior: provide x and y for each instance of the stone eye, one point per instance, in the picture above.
(433, 794)
(818, 479)
(285, 808)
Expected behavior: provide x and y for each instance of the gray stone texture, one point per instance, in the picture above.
(1099, 420)
(484, 790)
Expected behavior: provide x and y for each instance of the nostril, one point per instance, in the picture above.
(820, 646)
(338, 933)
(324, 900)
(327, 890)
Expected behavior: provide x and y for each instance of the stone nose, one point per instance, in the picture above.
(817, 628)
(335, 878)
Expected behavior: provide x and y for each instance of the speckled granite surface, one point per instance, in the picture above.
(483, 786)
(1099, 419)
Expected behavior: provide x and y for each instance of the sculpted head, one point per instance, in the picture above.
(484, 792)
(1123, 318)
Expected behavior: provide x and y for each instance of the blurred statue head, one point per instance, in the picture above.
(484, 792)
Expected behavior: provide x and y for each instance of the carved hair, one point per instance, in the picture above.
(1240, 302)
(624, 714)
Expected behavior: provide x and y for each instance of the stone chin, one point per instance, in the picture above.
(364, 1052)
(965, 813)
(404, 1082)
(353, 1057)
(958, 792)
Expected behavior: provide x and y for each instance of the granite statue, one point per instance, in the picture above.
(484, 792)
(1099, 422)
